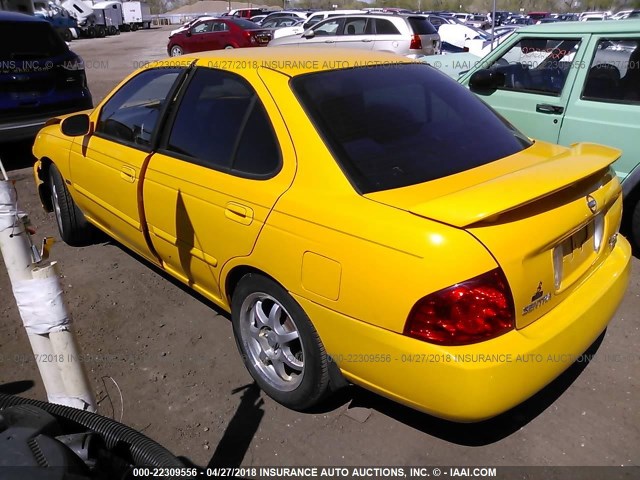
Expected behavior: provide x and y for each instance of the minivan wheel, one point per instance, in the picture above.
(279, 345)
(73, 227)
(176, 51)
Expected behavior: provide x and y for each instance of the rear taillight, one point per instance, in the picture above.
(469, 312)
(249, 36)
(416, 43)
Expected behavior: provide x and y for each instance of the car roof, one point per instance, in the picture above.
(19, 17)
(291, 61)
(604, 26)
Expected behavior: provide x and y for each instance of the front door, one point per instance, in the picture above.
(106, 166)
(538, 80)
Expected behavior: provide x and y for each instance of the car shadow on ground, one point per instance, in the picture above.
(468, 434)
(17, 387)
(17, 155)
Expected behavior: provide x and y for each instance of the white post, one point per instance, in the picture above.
(41, 308)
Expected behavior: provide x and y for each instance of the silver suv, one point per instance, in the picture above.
(401, 34)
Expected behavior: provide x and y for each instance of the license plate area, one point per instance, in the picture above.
(575, 254)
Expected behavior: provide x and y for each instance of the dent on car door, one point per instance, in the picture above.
(538, 78)
(106, 166)
(605, 104)
(219, 171)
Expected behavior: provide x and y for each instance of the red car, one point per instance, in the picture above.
(216, 34)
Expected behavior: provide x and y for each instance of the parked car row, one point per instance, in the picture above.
(401, 34)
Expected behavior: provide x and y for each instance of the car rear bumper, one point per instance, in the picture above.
(475, 382)
(28, 127)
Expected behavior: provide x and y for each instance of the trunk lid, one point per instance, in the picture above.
(546, 214)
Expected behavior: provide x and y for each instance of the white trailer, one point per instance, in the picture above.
(136, 15)
(112, 14)
(90, 24)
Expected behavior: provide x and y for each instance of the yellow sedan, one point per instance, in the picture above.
(360, 215)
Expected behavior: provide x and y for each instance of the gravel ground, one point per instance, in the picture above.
(162, 360)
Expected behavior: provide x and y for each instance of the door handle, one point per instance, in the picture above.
(551, 109)
(128, 174)
(329, 41)
(367, 40)
(238, 213)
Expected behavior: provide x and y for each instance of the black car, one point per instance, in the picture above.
(40, 77)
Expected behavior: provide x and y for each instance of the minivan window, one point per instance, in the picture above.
(392, 126)
(37, 40)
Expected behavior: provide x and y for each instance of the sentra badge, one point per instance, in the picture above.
(539, 298)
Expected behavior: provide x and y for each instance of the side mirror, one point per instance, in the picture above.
(188, 33)
(486, 79)
(309, 34)
(75, 125)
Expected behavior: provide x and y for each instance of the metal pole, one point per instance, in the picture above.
(493, 24)
(39, 299)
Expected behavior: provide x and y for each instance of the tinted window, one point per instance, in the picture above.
(29, 41)
(245, 24)
(131, 114)
(614, 73)
(222, 124)
(421, 26)
(538, 65)
(385, 27)
(391, 127)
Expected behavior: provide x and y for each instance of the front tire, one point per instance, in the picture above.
(176, 51)
(73, 227)
(229, 47)
(278, 343)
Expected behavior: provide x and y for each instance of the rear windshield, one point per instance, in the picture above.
(421, 26)
(392, 126)
(29, 41)
(246, 24)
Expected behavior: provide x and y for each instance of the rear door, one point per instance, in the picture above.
(107, 167)
(387, 35)
(539, 76)
(605, 104)
(224, 160)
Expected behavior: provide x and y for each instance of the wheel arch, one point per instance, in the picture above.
(44, 191)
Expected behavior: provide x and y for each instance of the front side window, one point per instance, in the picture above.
(204, 27)
(329, 27)
(221, 124)
(391, 127)
(614, 72)
(538, 65)
(131, 114)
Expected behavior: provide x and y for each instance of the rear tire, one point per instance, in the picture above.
(229, 47)
(73, 227)
(91, 32)
(101, 32)
(279, 345)
(66, 35)
(134, 27)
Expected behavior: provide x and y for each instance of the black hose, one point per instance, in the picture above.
(144, 451)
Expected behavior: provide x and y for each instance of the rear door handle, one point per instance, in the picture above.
(550, 109)
(329, 41)
(367, 40)
(239, 213)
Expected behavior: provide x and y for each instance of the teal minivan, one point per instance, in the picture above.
(568, 82)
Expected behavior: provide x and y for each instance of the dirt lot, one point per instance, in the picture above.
(183, 383)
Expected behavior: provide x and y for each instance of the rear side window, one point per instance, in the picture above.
(421, 26)
(385, 27)
(29, 41)
(244, 24)
(221, 124)
(395, 126)
(614, 73)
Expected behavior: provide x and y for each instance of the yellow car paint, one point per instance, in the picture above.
(357, 264)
